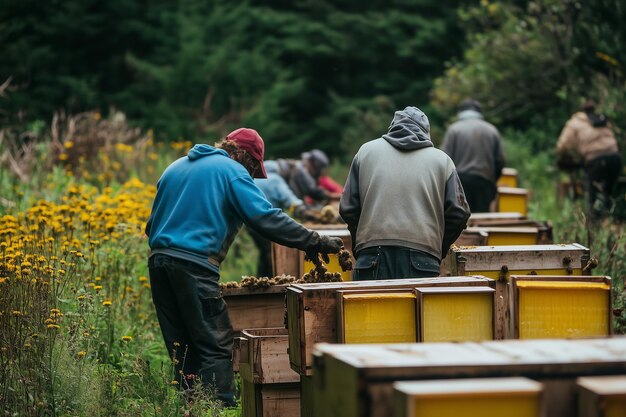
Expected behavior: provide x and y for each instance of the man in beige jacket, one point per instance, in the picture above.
(589, 135)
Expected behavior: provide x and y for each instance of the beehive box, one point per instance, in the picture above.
(291, 261)
(602, 396)
(500, 262)
(544, 228)
(478, 219)
(499, 236)
(455, 314)
(510, 199)
(357, 380)
(383, 316)
(258, 308)
(270, 388)
(312, 311)
(560, 306)
(508, 178)
(481, 397)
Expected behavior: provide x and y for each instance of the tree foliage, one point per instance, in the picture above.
(301, 72)
(529, 61)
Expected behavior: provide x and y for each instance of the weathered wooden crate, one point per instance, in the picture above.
(291, 261)
(510, 199)
(498, 236)
(270, 388)
(602, 396)
(544, 228)
(455, 314)
(508, 178)
(357, 380)
(255, 308)
(312, 311)
(560, 306)
(477, 219)
(500, 262)
(484, 397)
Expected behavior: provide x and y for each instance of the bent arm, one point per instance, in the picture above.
(456, 212)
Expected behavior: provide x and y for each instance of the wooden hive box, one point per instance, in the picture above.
(291, 261)
(508, 178)
(478, 219)
(560, 306)
(500, 262)
(312, 312)
(482, 397)
(544, 228)
(602, 396)
(510, 199)
(501, 235)
(357, 380)
(270, 388)
(455, 314)
(255, 308)
(383, 316)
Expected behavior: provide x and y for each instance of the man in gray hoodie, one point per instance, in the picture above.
(476, 148)
(403, 202)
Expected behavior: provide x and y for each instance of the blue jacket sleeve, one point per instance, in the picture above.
(272, 223)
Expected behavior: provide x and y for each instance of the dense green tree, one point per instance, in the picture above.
(531, 63)
(301, 72)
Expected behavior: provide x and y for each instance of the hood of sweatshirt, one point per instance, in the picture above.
(409, 130)
(202, 150)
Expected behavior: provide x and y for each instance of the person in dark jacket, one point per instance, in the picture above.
(202, 200)
(475, 147)
(303, 176)
(403, 202)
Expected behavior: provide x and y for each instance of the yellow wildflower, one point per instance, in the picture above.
(106, 303)
(127, 338)
(81, 353)
(53, 326)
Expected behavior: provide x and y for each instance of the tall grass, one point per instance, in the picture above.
(78, 333)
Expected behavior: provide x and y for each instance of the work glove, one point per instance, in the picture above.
(324, 246)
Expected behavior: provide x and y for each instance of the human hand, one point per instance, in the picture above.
(324, 246)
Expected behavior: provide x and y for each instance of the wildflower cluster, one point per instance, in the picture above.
(68, 269)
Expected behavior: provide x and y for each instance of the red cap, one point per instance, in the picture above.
(250, 141)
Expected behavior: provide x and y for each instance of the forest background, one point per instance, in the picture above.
(97, 97)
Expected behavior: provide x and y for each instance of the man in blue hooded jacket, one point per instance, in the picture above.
(202, 200)
(403, 202)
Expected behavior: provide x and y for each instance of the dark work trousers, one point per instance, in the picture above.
(602, 173)
(195, 324)
(391, 262)
(479, 192)
(264, 265)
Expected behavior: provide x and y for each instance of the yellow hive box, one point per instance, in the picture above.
(498, 236)
(488, 397)
(455, 314)
(376, 317)
(500, 262)
(554, 307)
(510, 199)
(508, 178)
(602, 396)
